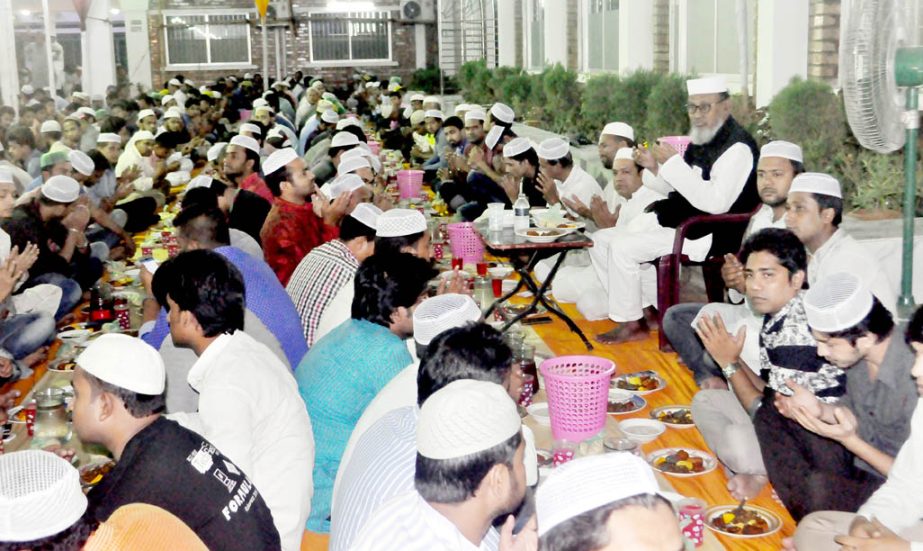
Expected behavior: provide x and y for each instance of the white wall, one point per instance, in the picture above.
(556, 32)
(506, 33)
(782, 46)
(137, 41)
(636, 37)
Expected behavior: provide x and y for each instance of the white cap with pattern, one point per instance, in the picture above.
(330, 116)
(837, 302)
(516, 146)
(493, 136)
(348, 121)
(126, 362)
(434, 114)
(400, 222)
(367, 213)
(278, 159)
(618, 129)
(816, 182)
(344, 139)
(247, 143)
(707, 85)
(625, 154)
(353, 163)
(40, 495)
(552, 148)
(166, 99)
(215, 151)
(440, 313)
(50, 126)
(62, 189)
(417, 117)
(347, 183)
(251, 128)
(144, 113)
(784, 149)
(417, 97)
(109, 137)
(503, 113)
(476, 115)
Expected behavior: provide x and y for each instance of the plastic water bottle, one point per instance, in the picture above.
(521, 213)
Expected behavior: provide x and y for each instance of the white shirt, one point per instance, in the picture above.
(129, 158)
(728, 176)
(842, 253)
(339, 310)
(898, 503)
(409, 523)
(250, 409)
(760, 220)
(578, 184)
(634, 207)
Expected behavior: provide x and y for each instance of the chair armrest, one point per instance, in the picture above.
(707, 221)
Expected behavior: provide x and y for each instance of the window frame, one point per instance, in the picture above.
(208, 65)
(381, 62)
(679, 44)
(585, 13)
(529, 14)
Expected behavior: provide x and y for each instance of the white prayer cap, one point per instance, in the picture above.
(178, 177)
(463, 107)
(348, 121)
(353, 163)
(493, 136)
(81, 162)
(618, 129)
(503, 113)
(247, 143)
(708, 85)
(329, 96)
(166, 99)
(248, 76)
(126, 362)
(278, 159)
(516, 146)
(417, 117)
(62, 189)
(464, 418)
(434, 114)
(367, 213)
(552, 148)
(589, 482)
(58, 147)
(87, 112)
(476, 115)
(201, 180)
(144, 113)
(440, 313)
(625, 153)
(251, 128)
(259, 102)
(27, 89)
(417, 97)
(323, 105)
(172, 113)
(344, 139)
(375, 84)
(215, 151)
(267, 108)
(432, 99)
(6, 176)
(816, 182)
(40, 495)
(50, 126)
(836, 302)
(175, 82)
(330, 116)
(400, 222)
(32, 102)
(347, 183)
(275, 132)
(109, 137)
(280, 83)
(81, 95)
(142, 135)
(781, 148)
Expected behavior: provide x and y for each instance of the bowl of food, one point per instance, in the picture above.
(748, 521)
(678, 417)
(641, 383)
(499, 272)
(92, 473)
(75, 336)
(682, 462)
(622, 402)
(541, 235)
(642, 431)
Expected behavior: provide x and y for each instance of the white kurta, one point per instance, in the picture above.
(579, 184)
(842, 253)
(250, 409)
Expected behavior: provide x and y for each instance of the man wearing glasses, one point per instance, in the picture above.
(715, 175)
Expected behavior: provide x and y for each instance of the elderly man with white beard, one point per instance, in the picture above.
(715, 175)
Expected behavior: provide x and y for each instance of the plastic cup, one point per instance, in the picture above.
(458, 263)
(30, 411)
(495, 216)
(497, 285)
(482, 269)
(563, 451)
(692, 520)
(527, 391)
(438, 251)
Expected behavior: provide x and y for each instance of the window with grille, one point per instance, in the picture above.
(602, 44)
(350, 36)
(536, 34)
(194, 39)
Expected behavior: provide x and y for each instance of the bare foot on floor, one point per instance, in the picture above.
(36, 357)
(625, 332)
(746, 485)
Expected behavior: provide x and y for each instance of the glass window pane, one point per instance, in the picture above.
(537, 35)
(229, 38)
(595, 39)
(700, 46)
(329, 37)
(370, 35)
(186, 39)
(610, 39)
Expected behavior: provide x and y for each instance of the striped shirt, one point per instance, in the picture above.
(317, 279)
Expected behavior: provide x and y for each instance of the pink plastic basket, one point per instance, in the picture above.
(465, 242)
(578, 395)
(679, 143)
(409, 183)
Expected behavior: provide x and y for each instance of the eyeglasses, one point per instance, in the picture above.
(703, 108)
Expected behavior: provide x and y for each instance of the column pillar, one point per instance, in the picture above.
(506, 33)
(782, 47)
(137, 41)
(9, 70)
(99, 66)
(556, 32)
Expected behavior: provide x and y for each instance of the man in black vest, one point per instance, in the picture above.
(716, 175)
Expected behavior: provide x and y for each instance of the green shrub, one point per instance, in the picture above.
(872, 181)
(808, 113)
(474, 81)
(629, 98)
(427, 80)
(562, 98)
(666, 109)
(515, 91)
(597, 105)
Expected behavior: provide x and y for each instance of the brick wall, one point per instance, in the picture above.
(824, 40)
(661, 18)
(573, 44)
(295, 43)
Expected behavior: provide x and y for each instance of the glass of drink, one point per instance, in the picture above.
(495, 216)
(458, 263)
(497, 285)
(526, 358)
(692, 520)
(482, 269)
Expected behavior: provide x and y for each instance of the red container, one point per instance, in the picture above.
(482, 269)
(29, 410)
(692, 520)
(497, 285)
(458, 263)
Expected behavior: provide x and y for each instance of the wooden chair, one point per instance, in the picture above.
(731, 228)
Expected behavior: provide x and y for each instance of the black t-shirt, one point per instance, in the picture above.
(176, 469)
(248, 213)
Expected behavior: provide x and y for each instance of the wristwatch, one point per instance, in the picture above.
(729, 370)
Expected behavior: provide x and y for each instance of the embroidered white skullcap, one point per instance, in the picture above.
(27, 89)
(348, 121)
(589, 482)
(417, 97)
(40, 495)
(175, 82)
(353, 163)
(476, 115)
(417, 117)
(516, 146)
(267, 108)
(144, 113)
(553, 148)
(466, 417)
(440, 313)
(330, 116)
(816, 182)
(434, 114)
(109, 137)
(62, 189)
(400, 222)
(81, 162)
(275, 132)
(172, 113)
(625, 154)
(81, 95)
(344, 139)
(215, 151)
(341, 185)
(278, 159)
(201, 180)
(464, 107)
(248, 76)
(106, 359)
(618, 129)
(781, 148)
(6, 176)
(50, 126)
(166, 99)
(247, 143)
(367, 213)
(503, 112)
(251, 128)
(432, 99)
(836, 302)
(493, 136)
(259, 102)
(143, 135)
(87, 112)
(707, 85)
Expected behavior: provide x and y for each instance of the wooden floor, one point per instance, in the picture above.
(639, 356)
